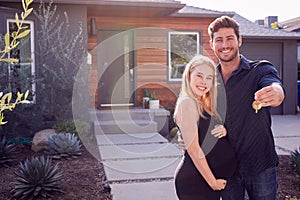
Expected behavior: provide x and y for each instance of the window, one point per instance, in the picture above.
(21, 73)
(183, 46)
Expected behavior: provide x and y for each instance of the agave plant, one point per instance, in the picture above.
(7, 153)
(36, 178)
(295, 157)
(63, 145)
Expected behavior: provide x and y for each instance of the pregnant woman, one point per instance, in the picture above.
(208, 158)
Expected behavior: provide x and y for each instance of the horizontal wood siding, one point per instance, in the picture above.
(151, 51)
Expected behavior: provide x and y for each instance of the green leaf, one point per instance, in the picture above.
(7, 40)
(26, 94)
(29, 2)
(5, 97)
(1, 119)
(25, 101)
(13, 34)
(23, 34)
(17, 20)
(27, 12)
(19, 95)
(23, 4)
(15, 44)
(9, 97)
(9, 60)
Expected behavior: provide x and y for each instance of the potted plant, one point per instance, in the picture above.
(146, 99)
(153, 101)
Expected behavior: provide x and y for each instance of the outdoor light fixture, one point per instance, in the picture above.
(93, 26)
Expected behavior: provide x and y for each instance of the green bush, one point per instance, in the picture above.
(77, 127)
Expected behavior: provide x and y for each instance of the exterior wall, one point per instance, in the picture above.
(151, 52)
(290, 77)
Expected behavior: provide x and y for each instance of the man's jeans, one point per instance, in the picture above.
(260, 187)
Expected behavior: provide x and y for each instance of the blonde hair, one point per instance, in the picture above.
(207, 102)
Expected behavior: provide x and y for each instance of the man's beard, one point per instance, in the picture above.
(228, 59)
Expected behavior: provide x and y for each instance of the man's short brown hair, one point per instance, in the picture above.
(223, 22)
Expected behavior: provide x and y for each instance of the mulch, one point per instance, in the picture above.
(84, 178)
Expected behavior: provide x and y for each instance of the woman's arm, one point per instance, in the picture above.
(201, 164)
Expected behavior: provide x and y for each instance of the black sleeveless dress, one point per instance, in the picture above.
(189, 183)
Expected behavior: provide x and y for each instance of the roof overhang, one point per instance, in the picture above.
(130, 9)
(204, 15)
(120, 8)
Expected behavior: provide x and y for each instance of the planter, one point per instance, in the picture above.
(146, 102)
(154, 104)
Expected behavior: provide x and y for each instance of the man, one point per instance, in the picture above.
(248, 126)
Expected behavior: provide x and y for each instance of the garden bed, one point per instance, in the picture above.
(84, 177)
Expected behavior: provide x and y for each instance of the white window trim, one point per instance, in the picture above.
(33, 87)
(197, 33)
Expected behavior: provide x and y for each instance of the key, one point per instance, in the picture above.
(256, 105)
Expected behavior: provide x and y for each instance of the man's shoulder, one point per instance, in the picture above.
(263, 66)
(259, 63)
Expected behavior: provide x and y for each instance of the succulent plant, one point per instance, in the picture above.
(63, 145)
(295, 157)
(35, 178)
(7, 153)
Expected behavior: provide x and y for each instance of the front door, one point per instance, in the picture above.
(116, 81)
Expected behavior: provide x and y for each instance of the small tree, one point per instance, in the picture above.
(62, 55)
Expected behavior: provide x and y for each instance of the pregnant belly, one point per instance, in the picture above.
(221, 159)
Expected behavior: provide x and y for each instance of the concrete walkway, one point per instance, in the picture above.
(139, 166)
(286, 131)
(142, 165)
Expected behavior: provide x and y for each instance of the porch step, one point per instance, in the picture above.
(125, 126)
(135, 120)
(128, 114)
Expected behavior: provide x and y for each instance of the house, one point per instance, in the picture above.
(292, 25)
(135, 45)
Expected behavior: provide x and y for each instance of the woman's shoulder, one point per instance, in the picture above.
(186, 101)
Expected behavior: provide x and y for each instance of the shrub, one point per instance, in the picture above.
(76, 127)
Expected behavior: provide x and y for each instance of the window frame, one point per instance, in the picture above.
(32, 55)
(169, 61)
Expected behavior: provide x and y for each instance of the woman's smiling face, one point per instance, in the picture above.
(202, 77)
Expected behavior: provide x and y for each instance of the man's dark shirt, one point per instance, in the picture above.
(248, 132)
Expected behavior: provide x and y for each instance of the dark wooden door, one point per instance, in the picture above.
(116, 81)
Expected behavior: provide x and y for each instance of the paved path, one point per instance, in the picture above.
(141, 166)
(286, 130)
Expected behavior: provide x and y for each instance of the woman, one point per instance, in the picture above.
(208, 159)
